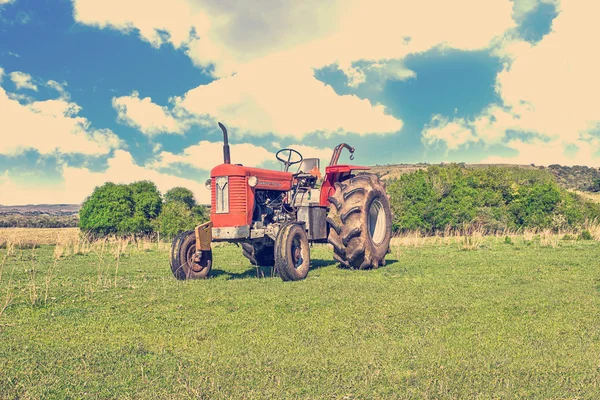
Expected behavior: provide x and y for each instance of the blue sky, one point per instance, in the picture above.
(94, 91)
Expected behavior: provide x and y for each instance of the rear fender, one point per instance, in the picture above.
(333, 174)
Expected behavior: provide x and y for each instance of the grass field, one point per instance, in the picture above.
(464, 318)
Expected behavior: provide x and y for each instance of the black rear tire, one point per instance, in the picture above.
(292, 253)
(183, 250)
(360, 221)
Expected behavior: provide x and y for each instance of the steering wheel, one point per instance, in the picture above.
(288, 163)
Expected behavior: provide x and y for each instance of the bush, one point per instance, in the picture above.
(138, 209)
(181, 195)
(180, 213)
(121, 209)
(492, 199)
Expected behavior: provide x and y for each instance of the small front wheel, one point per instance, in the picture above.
(185, 263)
(292, 253)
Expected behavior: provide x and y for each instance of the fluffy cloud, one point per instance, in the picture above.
(453, 133)
(49, 126)
(231, 34)
(548, 91)
(148, 117)
(205, 155)
(544, 152)
(78, 183)
(287, 102)
(23, 80)
(59, 87)
(553, 86)
(274, 47)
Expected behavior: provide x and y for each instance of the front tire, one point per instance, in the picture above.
(292, 253)
(183, 250)
(360, 219)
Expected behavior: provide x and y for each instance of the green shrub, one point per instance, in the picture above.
(121, 209)
(180, 213)
(492, 199)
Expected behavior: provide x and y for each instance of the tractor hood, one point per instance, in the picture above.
(267, 179)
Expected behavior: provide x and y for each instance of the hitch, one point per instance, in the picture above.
(203, 237)
(338, 151)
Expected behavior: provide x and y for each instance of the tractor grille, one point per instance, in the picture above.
(228, 194)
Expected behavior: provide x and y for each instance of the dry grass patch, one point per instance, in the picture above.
(30, 237)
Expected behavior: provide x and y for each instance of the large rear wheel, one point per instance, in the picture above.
(360, 219)
(292, 253)
(185, 263)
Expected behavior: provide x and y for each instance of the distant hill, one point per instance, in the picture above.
(39, 209)
(580, 178)
(40, 216)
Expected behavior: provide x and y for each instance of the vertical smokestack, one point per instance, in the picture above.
(226, 155)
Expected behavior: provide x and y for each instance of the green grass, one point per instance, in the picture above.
(503, 321)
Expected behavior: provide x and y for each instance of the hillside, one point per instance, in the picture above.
(38, 209)
(40, 216)
(580, 178)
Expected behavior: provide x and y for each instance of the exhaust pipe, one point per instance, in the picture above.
(226, 155)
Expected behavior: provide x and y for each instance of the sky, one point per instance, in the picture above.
(124, 90)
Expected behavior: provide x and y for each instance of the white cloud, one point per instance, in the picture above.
(274, 47)
(234, 33)
(148, 117)
(49, 126)
(205, 155)
(1, 74)
(550, 90)
(177, 17)
(78, 183)
(59, 87)
(23, 80)
(542, 152)
(452, 133)
(2, 2)
(287, 100)
(553, 86)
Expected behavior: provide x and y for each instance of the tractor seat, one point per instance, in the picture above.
(308, 164)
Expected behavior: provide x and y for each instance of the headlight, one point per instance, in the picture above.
(207, 183)
(253, 181)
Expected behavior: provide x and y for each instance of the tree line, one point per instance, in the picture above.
(436, 199)
(14, 220)
(139, 209)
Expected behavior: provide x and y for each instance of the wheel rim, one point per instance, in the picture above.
(189, 260)
(297, 252)
(377, 222)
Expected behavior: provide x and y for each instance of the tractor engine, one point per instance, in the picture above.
(250, 203)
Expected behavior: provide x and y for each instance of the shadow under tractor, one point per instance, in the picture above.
(275, 215)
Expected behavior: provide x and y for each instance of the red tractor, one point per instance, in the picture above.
(275, 215)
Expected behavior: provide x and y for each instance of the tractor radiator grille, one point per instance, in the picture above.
(229, 197)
